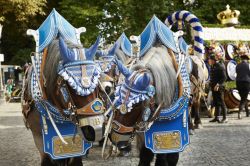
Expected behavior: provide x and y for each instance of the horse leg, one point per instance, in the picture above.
(46, 160)
(76, 161)
(197, 119)
(146, 156)
(33, 121)
(161, 160)
(190, 123)
(172, 159)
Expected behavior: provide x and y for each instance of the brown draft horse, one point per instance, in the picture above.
(111, 77)
(198, 77)
(135, 95)
(51, 83)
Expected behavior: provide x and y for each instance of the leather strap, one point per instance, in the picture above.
(180, 92)
(88, 110)
(197, 84)
(45, 53)
(120, 128)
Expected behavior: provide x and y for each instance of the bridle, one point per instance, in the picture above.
(125, 133)
(65, 96)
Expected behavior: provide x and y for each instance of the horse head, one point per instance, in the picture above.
(109, 74)
(75, 82)
(134, 101)
(121, 50)
(149, 86)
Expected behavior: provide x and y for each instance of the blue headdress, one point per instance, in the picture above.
(82, 75)
(137, 87)
(107, 58)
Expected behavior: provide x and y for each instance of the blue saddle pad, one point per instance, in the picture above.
(52, 144)
(170, 134)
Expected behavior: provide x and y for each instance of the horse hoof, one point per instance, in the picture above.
(198, 126)
(191, 132)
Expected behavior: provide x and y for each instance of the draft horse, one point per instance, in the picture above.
(69, 85)
(137, 94)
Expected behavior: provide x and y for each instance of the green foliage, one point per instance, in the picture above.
(22, 56)
(222, 26)
(207, 10)
(106, 17)
(17, 16)
(87, 13)
(21, 9)
(134, 15)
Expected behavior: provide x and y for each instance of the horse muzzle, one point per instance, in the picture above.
(120, 140)
(92, 127)
(91, 120)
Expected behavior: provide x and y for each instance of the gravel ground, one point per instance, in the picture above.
(215, 144)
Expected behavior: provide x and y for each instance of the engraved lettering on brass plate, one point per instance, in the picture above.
(115, 137)
(167, 141)
(73, 147)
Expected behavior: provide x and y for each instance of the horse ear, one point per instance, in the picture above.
(145, 81)
(67, 54)
(113, 50)
(142, 82)
(100, 53)
(90, 52)
(122, 68)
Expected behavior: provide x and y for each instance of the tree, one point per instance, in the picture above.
(134, 15)
(17, 16)
(22, 10)
(22, 56)
(105, 17)
(207, 10)
(87, 13)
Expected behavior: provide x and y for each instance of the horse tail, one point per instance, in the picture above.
(197, 28)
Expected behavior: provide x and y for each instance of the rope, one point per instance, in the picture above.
(54, 125)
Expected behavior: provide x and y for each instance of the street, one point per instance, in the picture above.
(215, 144)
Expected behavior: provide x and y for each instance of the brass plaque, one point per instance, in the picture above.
(115, 137)
(91, 121)
(167, 141)
(73, 147)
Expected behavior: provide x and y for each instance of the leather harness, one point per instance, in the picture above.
(122, 129)
(61, 83)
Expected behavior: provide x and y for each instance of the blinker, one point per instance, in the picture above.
(146, 114)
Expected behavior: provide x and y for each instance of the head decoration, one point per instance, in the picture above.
(90, 52)
(156, 30)
(81, 74)
(71, 55)
(242, 49)
(123, 44)
(216, 49)
(137, 87)
(106, 61)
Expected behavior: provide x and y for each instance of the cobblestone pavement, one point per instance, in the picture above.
(214, 144)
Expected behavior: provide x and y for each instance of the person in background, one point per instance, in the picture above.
(217, 81)
(9, 86)
(243, 83)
